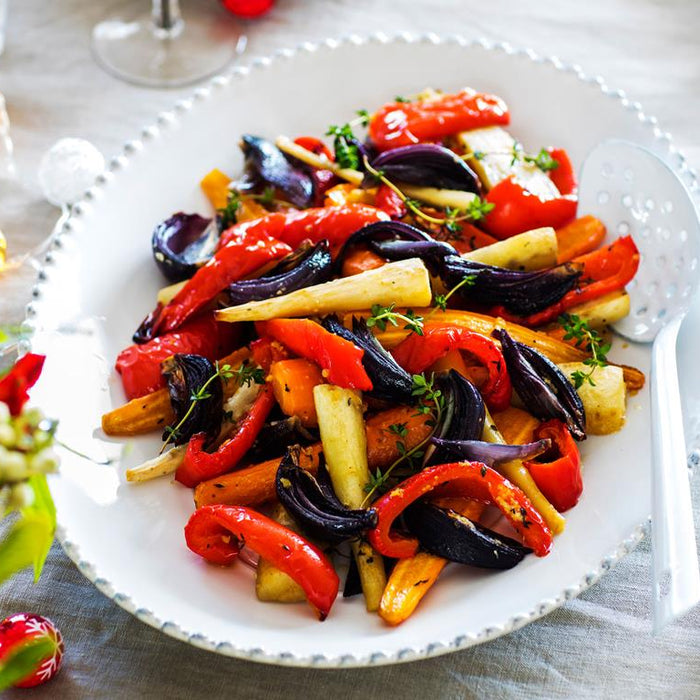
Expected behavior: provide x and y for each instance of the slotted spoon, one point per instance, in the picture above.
(635, 192)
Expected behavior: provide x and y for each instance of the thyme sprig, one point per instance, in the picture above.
(247, 374)
(442, 299)
(382, 315)
(228, 215)
(575, 328)
(223, 372)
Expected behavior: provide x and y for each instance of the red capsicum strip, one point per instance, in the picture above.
(559, 479)
(244, 252)
(417, 352)
(218, 533)
(404, 123)
(23, 375)
(606, 270)
(340, 360)
(139, 365)
(336, 224)
(390, 202)
(199, 465)
(563, 176)
(516, 210)
(470, 479)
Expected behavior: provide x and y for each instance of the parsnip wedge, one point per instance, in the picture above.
(161, 465)
(404, 283)
(532, 250)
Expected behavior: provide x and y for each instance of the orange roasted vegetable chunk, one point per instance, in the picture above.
(293, 383)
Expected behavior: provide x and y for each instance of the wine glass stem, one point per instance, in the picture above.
(167, 19)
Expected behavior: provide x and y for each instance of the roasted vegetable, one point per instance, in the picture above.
(470, 479)
(521, 293)
(309, 265)
(389, 381)
(345, 448)
(217, 533)
(313, 503)
(188, 376)
(183, 243)
(462, 417)
(277, 436)
(405, 283)
(532, 250)
(293, 383)
(265, 163)
(425, 164)
(542, 386)
(452, 536)
(489, 453)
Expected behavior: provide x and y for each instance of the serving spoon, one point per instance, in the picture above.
(637, 193)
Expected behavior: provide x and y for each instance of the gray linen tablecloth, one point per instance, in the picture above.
(596, 646)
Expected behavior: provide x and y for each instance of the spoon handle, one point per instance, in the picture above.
(676, 579)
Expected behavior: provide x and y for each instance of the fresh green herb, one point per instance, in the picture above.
(479, 155)
(363, 117)
(246, 374)
(228, 214)
(376, 482)
(347, 154)
(267, 198)
(575, 328)
(543, 160)
(399, 429)
(478, 208)
(442, 299)
(382, 315)
(516, 153)
(400, 98)
(223, 372)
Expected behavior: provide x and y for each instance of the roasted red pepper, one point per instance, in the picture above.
(563, 176)
(558, 474)
(218, 533)
(340, 360)
(139, 365)
(245, 251)
(516, 210)
(470, 238)
(417, 352)
(390, 202)
(311, 143)
(23, 375)
(199, 465)
(265, 351)
(404, 123)
(470, 479)
(606, 270)
(334, 223)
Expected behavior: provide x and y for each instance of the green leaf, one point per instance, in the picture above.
(24, 660)
(27, 544)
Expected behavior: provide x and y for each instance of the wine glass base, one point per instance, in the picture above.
(137, 52)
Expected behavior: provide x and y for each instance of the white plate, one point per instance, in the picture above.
(100, 282)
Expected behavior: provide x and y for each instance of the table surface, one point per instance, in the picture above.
(596, 646)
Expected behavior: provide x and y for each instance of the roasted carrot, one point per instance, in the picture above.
(471, 238)
(361, 260)
(580, 236)
(293, 383)
(153, 411)
(413, 577)
(516, 426)
(255, 485)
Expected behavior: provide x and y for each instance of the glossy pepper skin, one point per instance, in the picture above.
(471, 479)
(139, 365)
(559, 477)
(405, 123)
(336, 224)
(516, 210)
(244, 252)
(417, 352)
(218, 533)
(340, 359)
(23, 375)
(199, 465)
(563, 176)
(605, 270)
(390, 202)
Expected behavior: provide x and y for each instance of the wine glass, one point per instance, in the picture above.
(160, 49)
